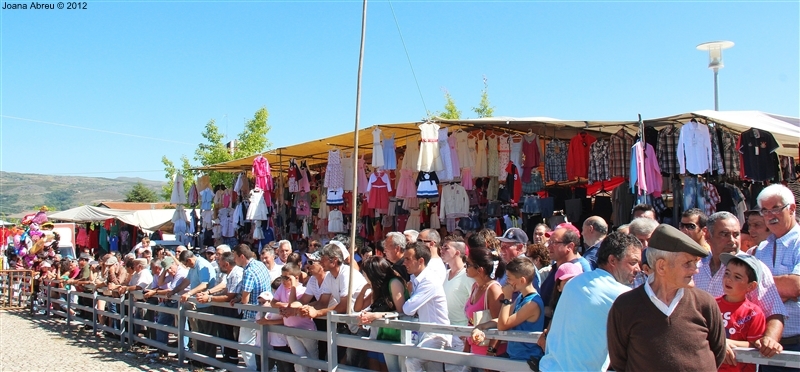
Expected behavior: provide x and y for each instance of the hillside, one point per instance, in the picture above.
(21, 192)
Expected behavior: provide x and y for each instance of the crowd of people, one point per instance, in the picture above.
(647, 296)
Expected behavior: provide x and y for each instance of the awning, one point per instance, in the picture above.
(87, 213)
(152, 220)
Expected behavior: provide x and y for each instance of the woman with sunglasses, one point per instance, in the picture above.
(484, 266)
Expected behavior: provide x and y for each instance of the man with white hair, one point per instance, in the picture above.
(781, 253)
(411, 235)
(282, 252)
(393, 248)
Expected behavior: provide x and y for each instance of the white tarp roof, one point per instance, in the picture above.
(152, 220)
(4, 223)
(87, 213)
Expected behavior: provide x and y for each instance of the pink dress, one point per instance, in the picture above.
(405, 185)
(470, 309)
(261, 172)
(305, 185)
(362, 176)
(456, 165)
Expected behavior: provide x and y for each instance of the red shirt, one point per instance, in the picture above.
(743, 321)
(578, 155)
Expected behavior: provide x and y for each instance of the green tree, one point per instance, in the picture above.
(484, 109)
(139, 193)
(59, 199)
(450, 110)
(252, 140)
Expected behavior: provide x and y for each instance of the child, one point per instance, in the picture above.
(524, 314)
(291, 283)
(275, 339)
(743, 320)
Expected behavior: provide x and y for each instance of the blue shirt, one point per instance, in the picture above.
(582, 333)
(202, 272)
(525, 350)
(785, 262)
(591, 255)
(255, 280)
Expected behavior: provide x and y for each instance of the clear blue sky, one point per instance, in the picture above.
(145, 77)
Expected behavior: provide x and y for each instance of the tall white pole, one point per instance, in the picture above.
(716, 89)
(355, 156)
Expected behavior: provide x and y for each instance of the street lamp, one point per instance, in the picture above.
(714, 49)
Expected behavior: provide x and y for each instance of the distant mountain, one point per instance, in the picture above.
(21, 192)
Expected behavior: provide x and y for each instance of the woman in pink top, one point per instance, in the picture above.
(291, 287)
(484, 267)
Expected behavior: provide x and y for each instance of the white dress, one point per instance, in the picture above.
(445, 174)
(347, 171)
(178, 193)
(429, 160)
(377, 148)
(412, 154)
(335, 221)
(258, 208)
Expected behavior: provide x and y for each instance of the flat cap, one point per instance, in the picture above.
(167, 262)
(667, 238)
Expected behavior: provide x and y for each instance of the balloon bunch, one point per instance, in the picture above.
(32, 238)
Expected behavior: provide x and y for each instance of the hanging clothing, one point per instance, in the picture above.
(730, 154)
(261, 171)
(429, 160)
(389, 154)
(347, 172)
(598, 162)
(578, 155)
(334, 177)
(258, 208)
(362, 176)
(427, 185)
(504, 155)
(335, 196)
(411, 156)
(193, 195)
(462, 148)
(293, 175)
(555, 161)
(530, 151)
(454, 202)
(493, 157)
(178, 194)
(516, 150)
(335, 221)
(757, 148)
(694, 148)
(378, 188)
(377, 148)
(716, 155)
(413, 220)
(206, 198)
(455, 165)
(620, 155)
(481, 158)
(304, 182)
(446, 174)
(405, 184)
(667, 151)
(645, 172)
(513, 182)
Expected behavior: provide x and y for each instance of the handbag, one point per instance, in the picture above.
(483, 316)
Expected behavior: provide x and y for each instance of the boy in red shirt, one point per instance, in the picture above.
(743, 320)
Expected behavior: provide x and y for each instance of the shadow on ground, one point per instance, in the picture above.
(99, 347)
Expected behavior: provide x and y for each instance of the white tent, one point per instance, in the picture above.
(152, 220)
(149, 220)
(87, 213)
(4, 223)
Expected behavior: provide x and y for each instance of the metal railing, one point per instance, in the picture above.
(16, 287)
(128, 322)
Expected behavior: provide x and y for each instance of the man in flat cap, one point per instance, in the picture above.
(666, 324)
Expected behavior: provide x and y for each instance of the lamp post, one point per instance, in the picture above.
(714, 49)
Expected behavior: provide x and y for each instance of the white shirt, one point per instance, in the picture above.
(274, 273)
(666, 309)
(233, 281)
(428, 299)
(141, 279)
(694, 148)
(457, 292)
(337, 287)
(438, 270)
(313, 288)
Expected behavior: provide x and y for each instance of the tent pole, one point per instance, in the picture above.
(355, 155)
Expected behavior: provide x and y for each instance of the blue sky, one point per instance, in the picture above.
(107, 91)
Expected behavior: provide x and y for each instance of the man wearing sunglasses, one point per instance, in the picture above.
(693, 223)
(781, 253)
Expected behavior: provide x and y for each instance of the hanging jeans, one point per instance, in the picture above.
(693, 196)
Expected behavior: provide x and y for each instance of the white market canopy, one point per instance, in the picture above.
(87, 213)
(149, 220)
(785, 129)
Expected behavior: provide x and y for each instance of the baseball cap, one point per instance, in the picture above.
(111, 261)
(85, 256)
(167, 262)
(314, 256)
(46, 264)
(747, 259)
(514, 235)
(345, 252)
(568, 270)
(210, 250)
(266, 295)
(565, 225)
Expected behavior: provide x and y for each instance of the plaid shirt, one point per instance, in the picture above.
(730, 154)
(255, 280)
(535, 185)
(620, 159)
(716, 156)
(668, 150)
(766, 297)
(598, 162)
(555, 161)
(712, 198)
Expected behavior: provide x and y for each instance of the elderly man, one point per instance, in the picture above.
(666, 324)
(225, 292)
(781, 253)
(594, 231)
(514, 244)
(255, 280)
(432, 239)
(428, 301)
(411, 236)
(563, 247)
(282, 252)
(168, 280)
(723, 236)
(393, 247)
(201, 277)
(268, 259)
(693, 223)
(584, 332)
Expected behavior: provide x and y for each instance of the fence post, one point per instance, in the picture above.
(181, 323)
(69, 309)
(122, 325)
(333, 357)
(94, 313)
(406, 338)
(49, 304)
(131, 326)
(264, 347)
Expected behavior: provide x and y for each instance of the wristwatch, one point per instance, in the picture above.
(491, 349)
(506, 301)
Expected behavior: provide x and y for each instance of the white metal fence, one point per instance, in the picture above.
(405, 348)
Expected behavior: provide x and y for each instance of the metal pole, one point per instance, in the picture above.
(355, 155)
(716, 89)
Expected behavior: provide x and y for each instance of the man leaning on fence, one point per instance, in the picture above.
(255, 279)
(225, 292)
(201, 277)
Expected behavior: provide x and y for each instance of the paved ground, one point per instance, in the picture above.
(38, 343)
